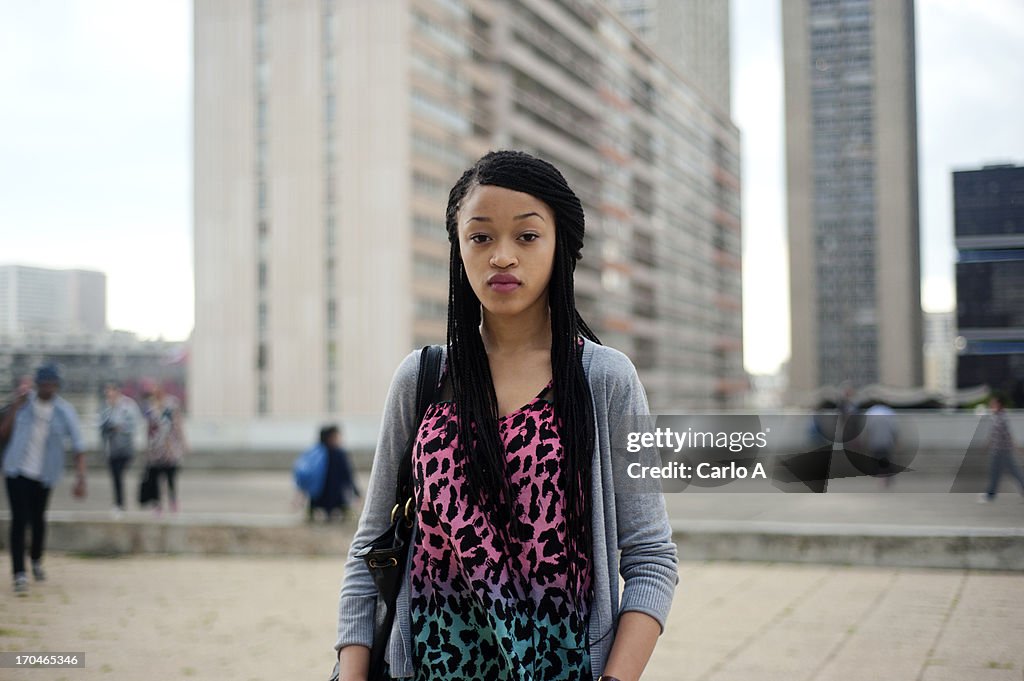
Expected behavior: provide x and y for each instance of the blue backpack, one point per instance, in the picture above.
(310, 470)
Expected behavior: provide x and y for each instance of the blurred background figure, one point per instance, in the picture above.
(166, 441)
(324, 474)
(118, 421)
(883, 433)
(37, 426)
(1001, 450)
(846, 409)
(23, 386)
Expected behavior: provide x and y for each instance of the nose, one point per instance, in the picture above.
(502, 259)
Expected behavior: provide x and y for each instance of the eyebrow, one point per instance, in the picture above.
(481, 218)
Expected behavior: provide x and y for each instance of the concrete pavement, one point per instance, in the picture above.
(271, 614)
(256, 619)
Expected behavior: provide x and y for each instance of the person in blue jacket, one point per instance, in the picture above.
(39, 426)
(339, 481)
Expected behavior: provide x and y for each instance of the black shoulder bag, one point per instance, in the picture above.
(386, 555)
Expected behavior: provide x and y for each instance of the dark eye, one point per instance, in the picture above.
(478, 236)
(533, 237)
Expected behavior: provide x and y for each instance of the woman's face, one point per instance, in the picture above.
(507, 242)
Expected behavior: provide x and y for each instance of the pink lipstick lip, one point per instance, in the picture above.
(503, 283)
(504, 286)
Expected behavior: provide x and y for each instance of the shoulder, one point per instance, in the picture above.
(62, 405)
(608, 365)
(407, 372)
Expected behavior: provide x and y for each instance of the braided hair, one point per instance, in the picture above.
(472, 385)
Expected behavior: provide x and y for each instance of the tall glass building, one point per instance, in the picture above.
(989, 224)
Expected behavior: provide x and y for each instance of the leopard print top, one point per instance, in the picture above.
(482, 610)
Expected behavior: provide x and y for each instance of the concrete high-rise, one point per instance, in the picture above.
(851, 166)
(691, 35)
(327, 137)
(37, 299)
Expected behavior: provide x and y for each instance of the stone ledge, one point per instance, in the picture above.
(185, 535)
(251, 534)
(864, 545)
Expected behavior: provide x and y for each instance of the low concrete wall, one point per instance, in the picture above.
(245, 534)
(224, 536)
(877, 546)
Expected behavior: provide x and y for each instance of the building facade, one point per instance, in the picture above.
(37, 299)
(851, 165)
(692, 36)
(327, 137)
(989, 226)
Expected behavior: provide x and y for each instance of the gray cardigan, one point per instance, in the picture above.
(635, 524)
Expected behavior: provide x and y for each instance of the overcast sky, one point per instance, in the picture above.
(95, 154)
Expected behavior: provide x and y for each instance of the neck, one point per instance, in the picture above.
(526, 332)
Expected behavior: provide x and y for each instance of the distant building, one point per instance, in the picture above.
(989, 225)
(691, 35)
(89, 361)
(35, 299)
(852, 187)
(940, 352)
(327, 137)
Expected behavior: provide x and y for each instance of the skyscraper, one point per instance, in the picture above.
(327, 137)
(989, 224)
(851, 165)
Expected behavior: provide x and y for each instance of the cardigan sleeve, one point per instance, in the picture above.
(648, 562)
(358, 598)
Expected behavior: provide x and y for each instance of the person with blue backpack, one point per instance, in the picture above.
(323, 473)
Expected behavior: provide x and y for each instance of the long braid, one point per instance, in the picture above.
(472, 384)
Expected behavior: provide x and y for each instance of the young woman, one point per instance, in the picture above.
(514, 567)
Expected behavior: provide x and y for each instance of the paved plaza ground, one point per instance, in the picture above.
(248, 618)
(176, 617)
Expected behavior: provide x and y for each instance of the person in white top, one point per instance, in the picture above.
(118, 422)
(38, 426)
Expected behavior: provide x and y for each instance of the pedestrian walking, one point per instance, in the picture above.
(1001, 450)
(118, 422)
(39, 426)
(882, 435)
(166, 444)
(519, 538)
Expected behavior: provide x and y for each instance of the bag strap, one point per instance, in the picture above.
(426, 394)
